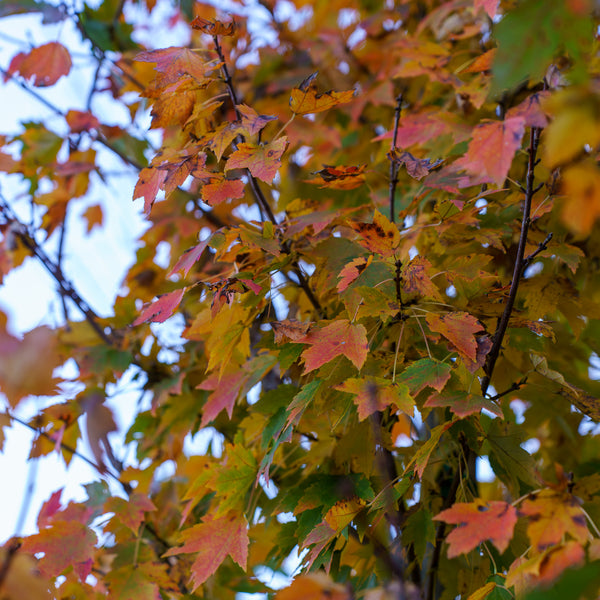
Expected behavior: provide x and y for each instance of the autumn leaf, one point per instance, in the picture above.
(226, 388)
(415, 167)
(220, 189)
(416, 280)
(189, 258)
(493, 148)
(373, 393)
(262, 160)
(340, 178)
(80, 121)
(150, 181)
(352, 270)
(64, 544)
(289, 330)
(380, 237)
(478, 522)
(342, 513)
(552, 515)
(93, 217)
(162, 309)
(581, 187)
(421, 457)
(173, 62)
(313, 586)
(131, 512)
(424, 373)
(463, 404)
(45, 64)
(213, 540)
(459, 328)
(305, 99)
(252, 122)
(213, 26)
(339, 338)
(26, 365)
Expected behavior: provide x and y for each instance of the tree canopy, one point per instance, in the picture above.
(369, 282)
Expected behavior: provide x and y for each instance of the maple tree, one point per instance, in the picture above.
(381, 222)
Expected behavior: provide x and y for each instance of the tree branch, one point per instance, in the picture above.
(393, 163)
(520, 264)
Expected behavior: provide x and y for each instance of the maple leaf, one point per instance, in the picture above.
(130, 512)
(227, 389)
(463, 404)
(339, 338)
(421, 458)
(45, 64)
(415, 167)
(174, 62)
(492, 149)
(289, 330)
(305, 100)
(477, 522)
(80, 121)
(552, 514)
(213, 540)
(64, 544)
(262, 160)
(380, 237)
(219, 189)
(374, 393)
(340, 178)
(189, 258)
(26, 365)
(214, 26)
(415, 279)
(581, 186)
(342, 513)
(252, 122)
(425, 372)
(352, 270)
(314, 586)
(150, 181)
(133, 584)
(162, 309)
(93, 217)
(459, 328)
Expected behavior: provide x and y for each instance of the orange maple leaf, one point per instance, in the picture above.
(336, 339)
(553, 514)
(380, 237)
(305, 100)
(45, 64)
(477, 522)
(262, 160)
(213, 540)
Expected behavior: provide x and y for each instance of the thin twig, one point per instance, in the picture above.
(66, 287)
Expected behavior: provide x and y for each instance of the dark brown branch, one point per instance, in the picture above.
(393, 163)
(519, 267)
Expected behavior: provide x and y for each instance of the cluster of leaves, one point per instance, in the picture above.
(384, 276)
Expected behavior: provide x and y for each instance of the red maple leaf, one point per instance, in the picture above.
(477, 522)
(162, 309)
(336, 339)
(213, 540)
(226, 391)
(493, 148)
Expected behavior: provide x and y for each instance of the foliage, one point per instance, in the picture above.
(381, 221)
